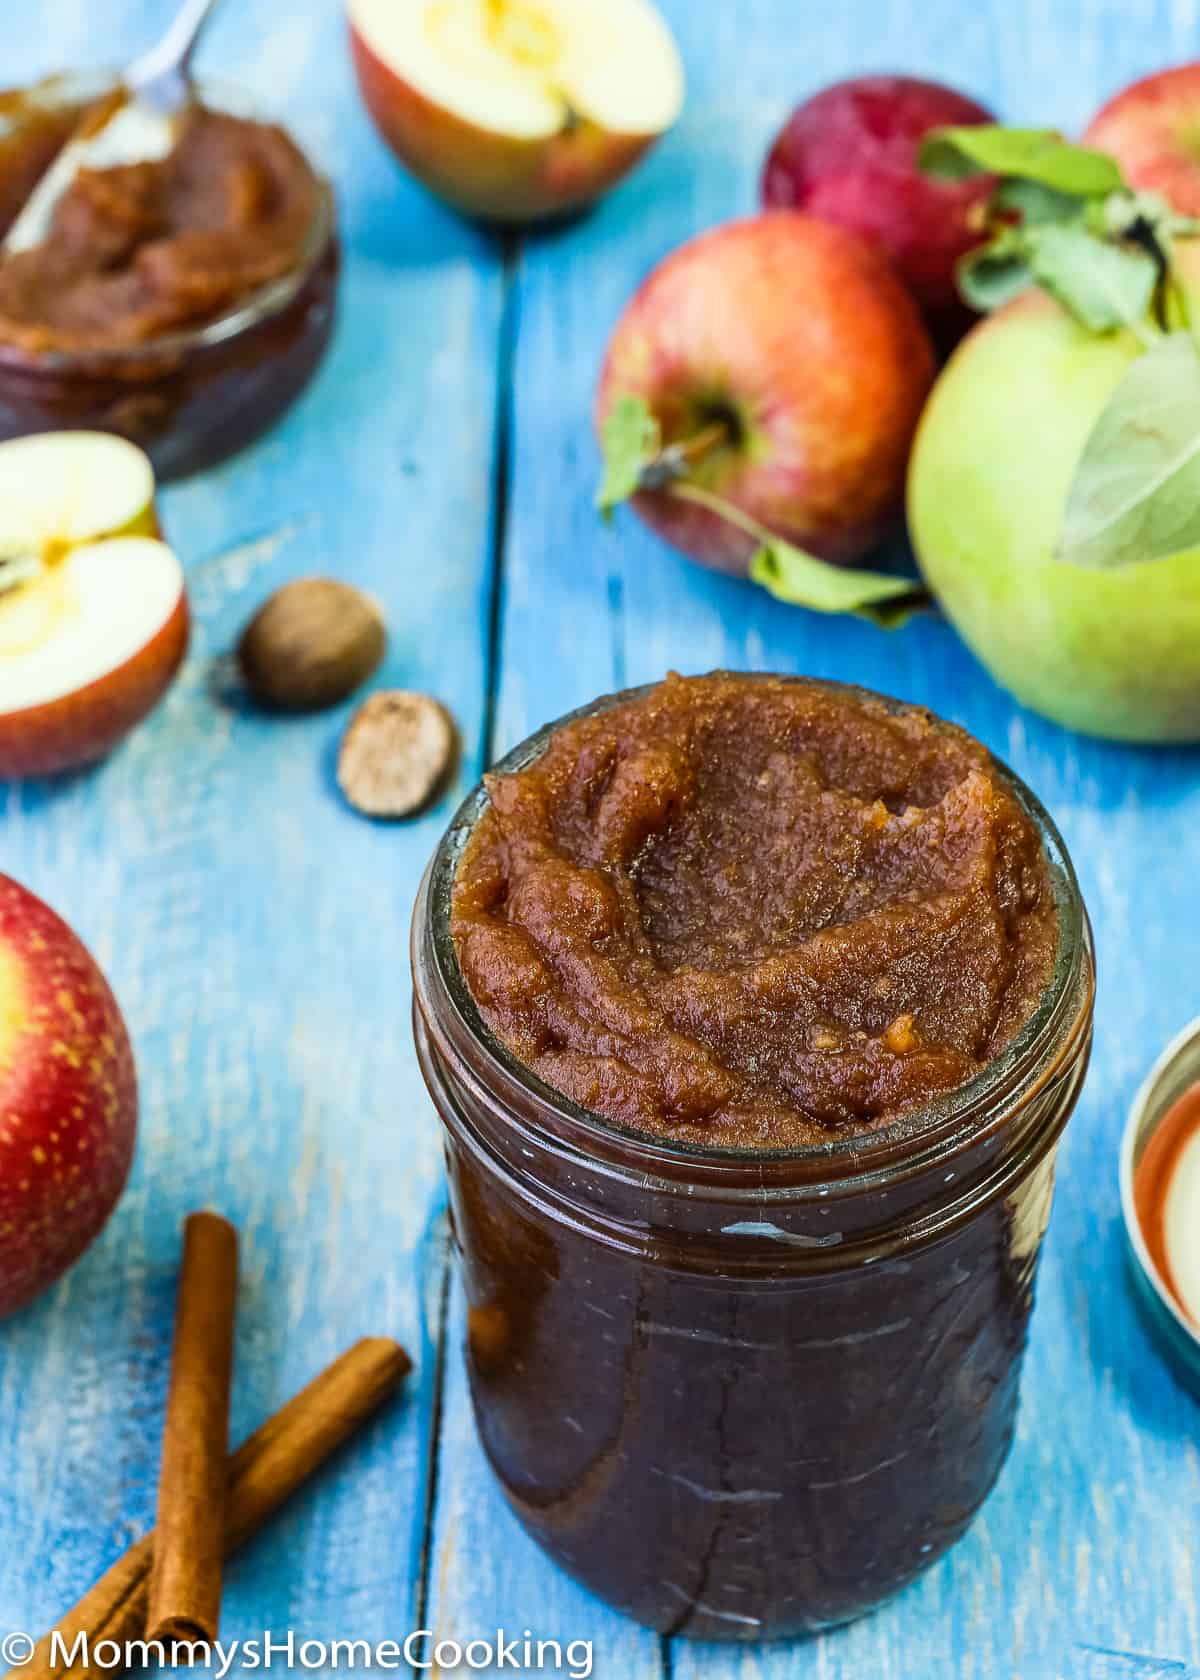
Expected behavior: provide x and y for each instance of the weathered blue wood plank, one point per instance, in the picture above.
(255, 930)
(1090, 1540)
(210, 861)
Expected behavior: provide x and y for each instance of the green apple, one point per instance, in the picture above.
(1113, 653)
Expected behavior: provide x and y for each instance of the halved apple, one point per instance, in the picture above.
(93, 609)
(517, 110)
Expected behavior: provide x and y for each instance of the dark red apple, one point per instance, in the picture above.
(68, 1098)
(849, 155)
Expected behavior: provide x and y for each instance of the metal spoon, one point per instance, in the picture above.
(142, 128)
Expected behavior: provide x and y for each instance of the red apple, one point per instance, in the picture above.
(1151, 129)
(849, 155)
(68, 1098)
(93, 610)
(798, 342)
(517, 110)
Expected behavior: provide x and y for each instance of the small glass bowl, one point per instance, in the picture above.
(193, 398)
(1175, 1071)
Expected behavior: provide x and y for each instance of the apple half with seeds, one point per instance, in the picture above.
(517, 111)
(93, 609)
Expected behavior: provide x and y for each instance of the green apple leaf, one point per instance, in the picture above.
(804, 581)
(995, 273)
(1032, 202)
(635, 460)
(1136, 493)
(630, 439)
(1103, 284)
(1031, 154)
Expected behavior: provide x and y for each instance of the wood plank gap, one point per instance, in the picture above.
(616, 627)
(502, 459)
(502, 434)
(666, 1657)
(434, 1442)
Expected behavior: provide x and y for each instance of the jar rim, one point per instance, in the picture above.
(909, 1144)
(258, 306)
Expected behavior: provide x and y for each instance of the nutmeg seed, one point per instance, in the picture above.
(397, 752)
(311, 644)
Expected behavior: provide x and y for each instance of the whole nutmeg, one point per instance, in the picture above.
(311, 644)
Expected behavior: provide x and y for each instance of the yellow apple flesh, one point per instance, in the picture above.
(517, 111)
(95, 626)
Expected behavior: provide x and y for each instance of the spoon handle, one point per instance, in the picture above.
(169, 59)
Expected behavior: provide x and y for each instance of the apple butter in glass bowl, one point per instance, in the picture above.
(753, 1009)
(182, 303)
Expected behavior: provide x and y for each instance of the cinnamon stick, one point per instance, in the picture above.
(262, 1475)
(189, 1534)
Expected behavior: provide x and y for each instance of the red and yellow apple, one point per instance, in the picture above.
(68, 1098)
(1151, 129)
(93, 610)
(796, 346)
(517, 110)
(849, 155)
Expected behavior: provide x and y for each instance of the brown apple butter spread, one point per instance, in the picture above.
(150, 248)
(747, 912)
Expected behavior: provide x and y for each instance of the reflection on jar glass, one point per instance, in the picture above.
(191, 397)
(746, 1395)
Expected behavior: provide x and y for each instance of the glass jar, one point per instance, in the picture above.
(746, 1395)
(190, 399)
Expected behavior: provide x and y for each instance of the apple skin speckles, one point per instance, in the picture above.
(68, 1098)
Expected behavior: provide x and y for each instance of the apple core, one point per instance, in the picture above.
(527, 70)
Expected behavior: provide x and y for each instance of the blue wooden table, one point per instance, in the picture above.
(256, 932)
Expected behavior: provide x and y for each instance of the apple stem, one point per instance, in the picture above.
(723, 509)
(698, 445)
(671, 464)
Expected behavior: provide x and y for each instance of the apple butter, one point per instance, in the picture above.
(183, 304)
(148, 248)
(753, 1010)
(752, 913)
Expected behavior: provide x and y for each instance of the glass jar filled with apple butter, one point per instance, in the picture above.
(182, 302)
(753, 1010)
